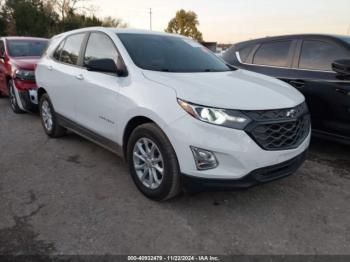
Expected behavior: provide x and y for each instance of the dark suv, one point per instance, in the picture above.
(317, 65)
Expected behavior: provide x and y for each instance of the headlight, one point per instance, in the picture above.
(25, 75)
(223, 117)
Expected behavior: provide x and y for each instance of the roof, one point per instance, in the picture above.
(293, 36)
(24, 38)
(137, 31)
(119, 30)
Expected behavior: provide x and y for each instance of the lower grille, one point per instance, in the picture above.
(283, 169)
(280, 133)
(280, 136)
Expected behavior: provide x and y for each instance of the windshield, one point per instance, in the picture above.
(170, 54)
(17, 48)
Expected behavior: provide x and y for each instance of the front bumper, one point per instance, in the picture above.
(27, 92)
(237, 153)
(258, 176)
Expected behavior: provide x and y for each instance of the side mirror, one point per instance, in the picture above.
(105, 65)
(102, 65)
(342, 67)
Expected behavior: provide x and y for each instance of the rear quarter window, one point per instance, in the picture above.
(71, 49)
(57, 54)
(244, 53)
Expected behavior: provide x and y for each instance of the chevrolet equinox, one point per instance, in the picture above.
(178, 114)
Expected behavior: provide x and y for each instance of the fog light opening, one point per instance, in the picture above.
(204, 159)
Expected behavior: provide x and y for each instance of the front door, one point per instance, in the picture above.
(97, 107)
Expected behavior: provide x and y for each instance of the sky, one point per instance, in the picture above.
(230, 21)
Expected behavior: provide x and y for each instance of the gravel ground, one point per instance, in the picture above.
(69, 196)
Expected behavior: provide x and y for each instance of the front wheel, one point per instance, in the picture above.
(48, 118)
(13, 99)
(153, 163)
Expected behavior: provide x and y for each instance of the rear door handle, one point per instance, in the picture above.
(80, 77)
(50, 68)
(343, 91)
(297, 83)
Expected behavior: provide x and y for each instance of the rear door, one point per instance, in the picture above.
(327, 94)
(273, 58)
(64, 72)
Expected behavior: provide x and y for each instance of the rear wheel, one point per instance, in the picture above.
(48, 118)
(153, 163)
(13, 99)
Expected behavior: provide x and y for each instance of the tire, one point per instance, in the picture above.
(165, 185)
(49, 119)
(13, 99)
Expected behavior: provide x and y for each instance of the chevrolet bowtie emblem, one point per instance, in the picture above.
(291, 113)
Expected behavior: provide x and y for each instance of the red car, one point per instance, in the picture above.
(18, 58)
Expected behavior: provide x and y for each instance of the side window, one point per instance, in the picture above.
(319, 55)
(57, 53)
(244, 53)
(273, 54)
(100, 46)
(71, 49)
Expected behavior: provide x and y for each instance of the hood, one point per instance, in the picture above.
(27, 63)
(238, 89)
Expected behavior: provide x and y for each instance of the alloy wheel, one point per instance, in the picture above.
(148, 163)
(13, 101)
(46, 115)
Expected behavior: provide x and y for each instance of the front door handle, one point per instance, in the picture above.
(80, 77)
(297, 83)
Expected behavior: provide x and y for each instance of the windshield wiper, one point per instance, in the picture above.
(217, 71)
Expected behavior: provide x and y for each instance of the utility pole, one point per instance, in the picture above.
(150, 19)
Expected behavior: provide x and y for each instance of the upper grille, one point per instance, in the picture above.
(279, 129)
(261, 115)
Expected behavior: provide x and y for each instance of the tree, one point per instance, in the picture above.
(185, 23)
(5, 18)
(27, 17)
(75, 21)
(2, 26)
(46, 18)
(113, 22)
(67, 7)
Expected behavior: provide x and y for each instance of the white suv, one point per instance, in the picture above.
(180, 116)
